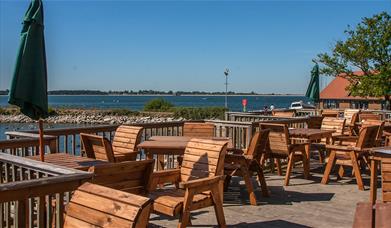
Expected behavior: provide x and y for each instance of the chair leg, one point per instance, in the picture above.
(306, 166)
(341, 172)
(227, 181)
(262, 181)
(185, 216)
(247, 181)
(291, 160)
(218, 206)
(329, 167)
(279, 169)
(356, 170)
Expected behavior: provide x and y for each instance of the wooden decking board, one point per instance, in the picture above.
(305, 203)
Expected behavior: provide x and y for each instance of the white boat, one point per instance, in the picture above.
(301, 105)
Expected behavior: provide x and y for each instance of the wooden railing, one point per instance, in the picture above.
(32, 193)
(67, 140)
(27, 146)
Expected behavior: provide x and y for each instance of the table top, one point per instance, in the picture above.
(169, 143)
(310, 132)
(69, 161)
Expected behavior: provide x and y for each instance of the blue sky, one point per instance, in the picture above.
(183, 45)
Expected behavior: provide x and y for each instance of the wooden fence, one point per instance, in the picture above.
(32, 193)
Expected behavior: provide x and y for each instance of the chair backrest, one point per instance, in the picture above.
(92, 205)
(97, 147)
(336, 124)
(126, 139)
(386, 179)
(278, 137)
(203, 158)
(367, 137)
(367, 123)
(258, 144)
(330, 113)
(369, 116)
(315, 122)
(351, 115)
(199, 129)
(130, 176)
(284, 113)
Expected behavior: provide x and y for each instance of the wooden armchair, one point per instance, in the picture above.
(246, 162)
(132, 176)
(350, 155)
(280, 147)
(123, 147)
(199, 182)
(96, 206)
(199, 130)
(352, 117)
(330, 113)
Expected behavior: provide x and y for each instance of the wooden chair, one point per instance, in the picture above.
(386, 179)
(199, 180)
(352, 117)
(96, 206)
(368, 215)
(329, 123)
(123, 147)
(132, 176)
(195, 129)
(350, 155)
(280, 147)
(379, 136)
(246, 162)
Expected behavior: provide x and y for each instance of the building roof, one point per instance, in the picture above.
(336, 90)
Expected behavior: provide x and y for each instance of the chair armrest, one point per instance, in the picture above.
(164, 176)
(203, 184)
(230, 158)
(92, 136)
(345, 138)
(235, 151)
(342, 148)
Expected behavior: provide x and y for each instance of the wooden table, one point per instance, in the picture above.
(311, 135)
(377, 155)
(69, 161)
(167, 145)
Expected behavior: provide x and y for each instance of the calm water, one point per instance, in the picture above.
(138, 102)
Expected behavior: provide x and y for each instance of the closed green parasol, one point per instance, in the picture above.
(29, 84)
(313, 88)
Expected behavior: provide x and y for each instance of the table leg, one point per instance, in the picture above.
(373, 191)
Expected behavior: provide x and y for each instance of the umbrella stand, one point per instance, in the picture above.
(41, 144)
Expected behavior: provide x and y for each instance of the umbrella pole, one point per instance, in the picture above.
(41, 145)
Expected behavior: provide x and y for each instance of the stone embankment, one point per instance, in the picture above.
(90, 117)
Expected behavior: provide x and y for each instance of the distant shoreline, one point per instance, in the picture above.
(184, 95)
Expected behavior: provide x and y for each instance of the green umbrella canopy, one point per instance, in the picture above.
(29, 83)
(313, 87)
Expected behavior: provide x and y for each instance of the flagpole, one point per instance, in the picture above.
(41, 144)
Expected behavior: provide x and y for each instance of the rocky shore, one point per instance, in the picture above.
(92, 117)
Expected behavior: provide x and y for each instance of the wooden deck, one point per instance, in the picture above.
(305, 203)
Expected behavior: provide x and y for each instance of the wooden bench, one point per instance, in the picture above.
(97, 206)
(284, 113)
(368, 215)
(330, 113)
(123, 147)
(132, 176)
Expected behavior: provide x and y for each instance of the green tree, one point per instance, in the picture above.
(367, 48)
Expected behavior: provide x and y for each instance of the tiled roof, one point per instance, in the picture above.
(336, 90)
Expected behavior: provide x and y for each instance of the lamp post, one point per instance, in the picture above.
(226, 72)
